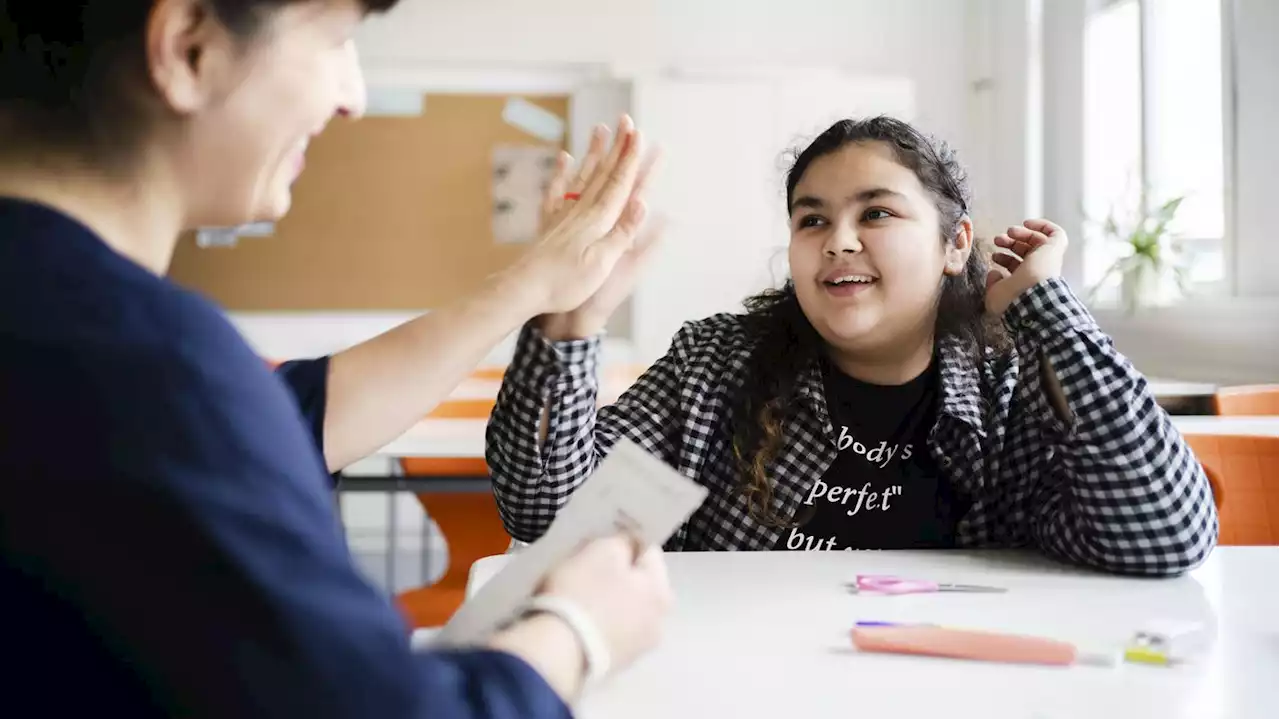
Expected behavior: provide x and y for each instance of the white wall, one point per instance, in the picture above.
(1000, 79)
(925, 40)
(1257, 141)
(920, 44)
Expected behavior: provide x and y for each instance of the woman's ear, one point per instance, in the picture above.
(959, 248)
(185, 47)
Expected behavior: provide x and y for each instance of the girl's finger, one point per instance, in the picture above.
(1006, 260)
(611, 189)
(994, 275)
(595, 151)
(1044, 227)
(1034, 238)
(553, 197)
(616, 172)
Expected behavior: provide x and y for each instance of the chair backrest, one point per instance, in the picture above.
(492, 373)
(463, 408)
(1253, 400)
(1244, 472)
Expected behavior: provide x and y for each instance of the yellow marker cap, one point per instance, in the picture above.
(1143, 655)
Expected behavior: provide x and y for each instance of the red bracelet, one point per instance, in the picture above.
(573, 195)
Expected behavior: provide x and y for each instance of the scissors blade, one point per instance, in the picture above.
(976, 588)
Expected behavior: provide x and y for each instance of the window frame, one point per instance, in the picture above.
(1228, 244)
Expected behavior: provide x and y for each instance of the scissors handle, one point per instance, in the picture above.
(885, 584)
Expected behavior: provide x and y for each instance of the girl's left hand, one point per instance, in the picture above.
(1032, 253)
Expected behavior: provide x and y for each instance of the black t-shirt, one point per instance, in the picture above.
(883, 491)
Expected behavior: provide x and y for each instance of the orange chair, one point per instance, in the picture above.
(492, 373)
(1244, 472)
(1252, 400)
(469, 520)
(469, 408)
(470, 524)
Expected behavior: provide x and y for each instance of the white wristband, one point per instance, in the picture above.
(594, 648)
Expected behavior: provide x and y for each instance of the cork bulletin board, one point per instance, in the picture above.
(391, 213)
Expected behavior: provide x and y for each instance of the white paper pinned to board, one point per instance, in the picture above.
(216, 237)
(537, 121)
(394, 102)
(520, 175)
(632, 490)
(230, 236)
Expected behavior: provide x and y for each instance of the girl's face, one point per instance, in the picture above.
(866, 256)
(247, 108)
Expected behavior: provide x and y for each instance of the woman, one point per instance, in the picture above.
(167, 540)
(893, 394)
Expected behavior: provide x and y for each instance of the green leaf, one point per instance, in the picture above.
(1111, 227)
(1168, 210)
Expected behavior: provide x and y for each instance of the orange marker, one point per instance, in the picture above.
(981, 646)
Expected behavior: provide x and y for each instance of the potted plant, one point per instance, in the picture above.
(1150, 258)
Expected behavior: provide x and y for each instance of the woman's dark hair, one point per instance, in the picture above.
(70, 69)
(786, 345)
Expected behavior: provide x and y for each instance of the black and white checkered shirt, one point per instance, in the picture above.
(1114, 487)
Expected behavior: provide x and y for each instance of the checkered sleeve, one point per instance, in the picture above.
(1124, 492)
(533, 480)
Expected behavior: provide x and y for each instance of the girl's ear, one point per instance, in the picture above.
(959, 248)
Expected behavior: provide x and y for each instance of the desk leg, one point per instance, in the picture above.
(392, 531)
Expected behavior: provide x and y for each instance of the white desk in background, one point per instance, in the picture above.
(1179, 388)
(765, 635)
(465, 437)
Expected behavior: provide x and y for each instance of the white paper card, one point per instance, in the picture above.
(520, 175)
(631, 490)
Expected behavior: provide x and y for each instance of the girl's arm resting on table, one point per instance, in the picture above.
(1127, 494)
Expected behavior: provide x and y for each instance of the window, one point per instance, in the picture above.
(1153, 131)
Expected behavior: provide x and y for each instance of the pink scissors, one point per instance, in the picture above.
(884, 584)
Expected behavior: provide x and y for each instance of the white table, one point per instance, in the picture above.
(465, 437)
(765, 634)
(1162, 388)
(1252, 426)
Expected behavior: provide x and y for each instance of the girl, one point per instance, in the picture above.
(167, 537)
(893, 394)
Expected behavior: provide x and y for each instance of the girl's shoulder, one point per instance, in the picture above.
(716, 346)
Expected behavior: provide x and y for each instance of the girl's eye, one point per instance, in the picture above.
(876, 214)
(810, 221)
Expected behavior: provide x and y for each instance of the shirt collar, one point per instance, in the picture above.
(959, 386)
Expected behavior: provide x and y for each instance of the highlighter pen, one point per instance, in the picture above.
(923, 640)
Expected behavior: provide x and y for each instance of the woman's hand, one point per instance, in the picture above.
(590, 317)
(582, 244)
(623, 590)
(1032, 253)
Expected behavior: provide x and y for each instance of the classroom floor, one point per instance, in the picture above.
(417, 556)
